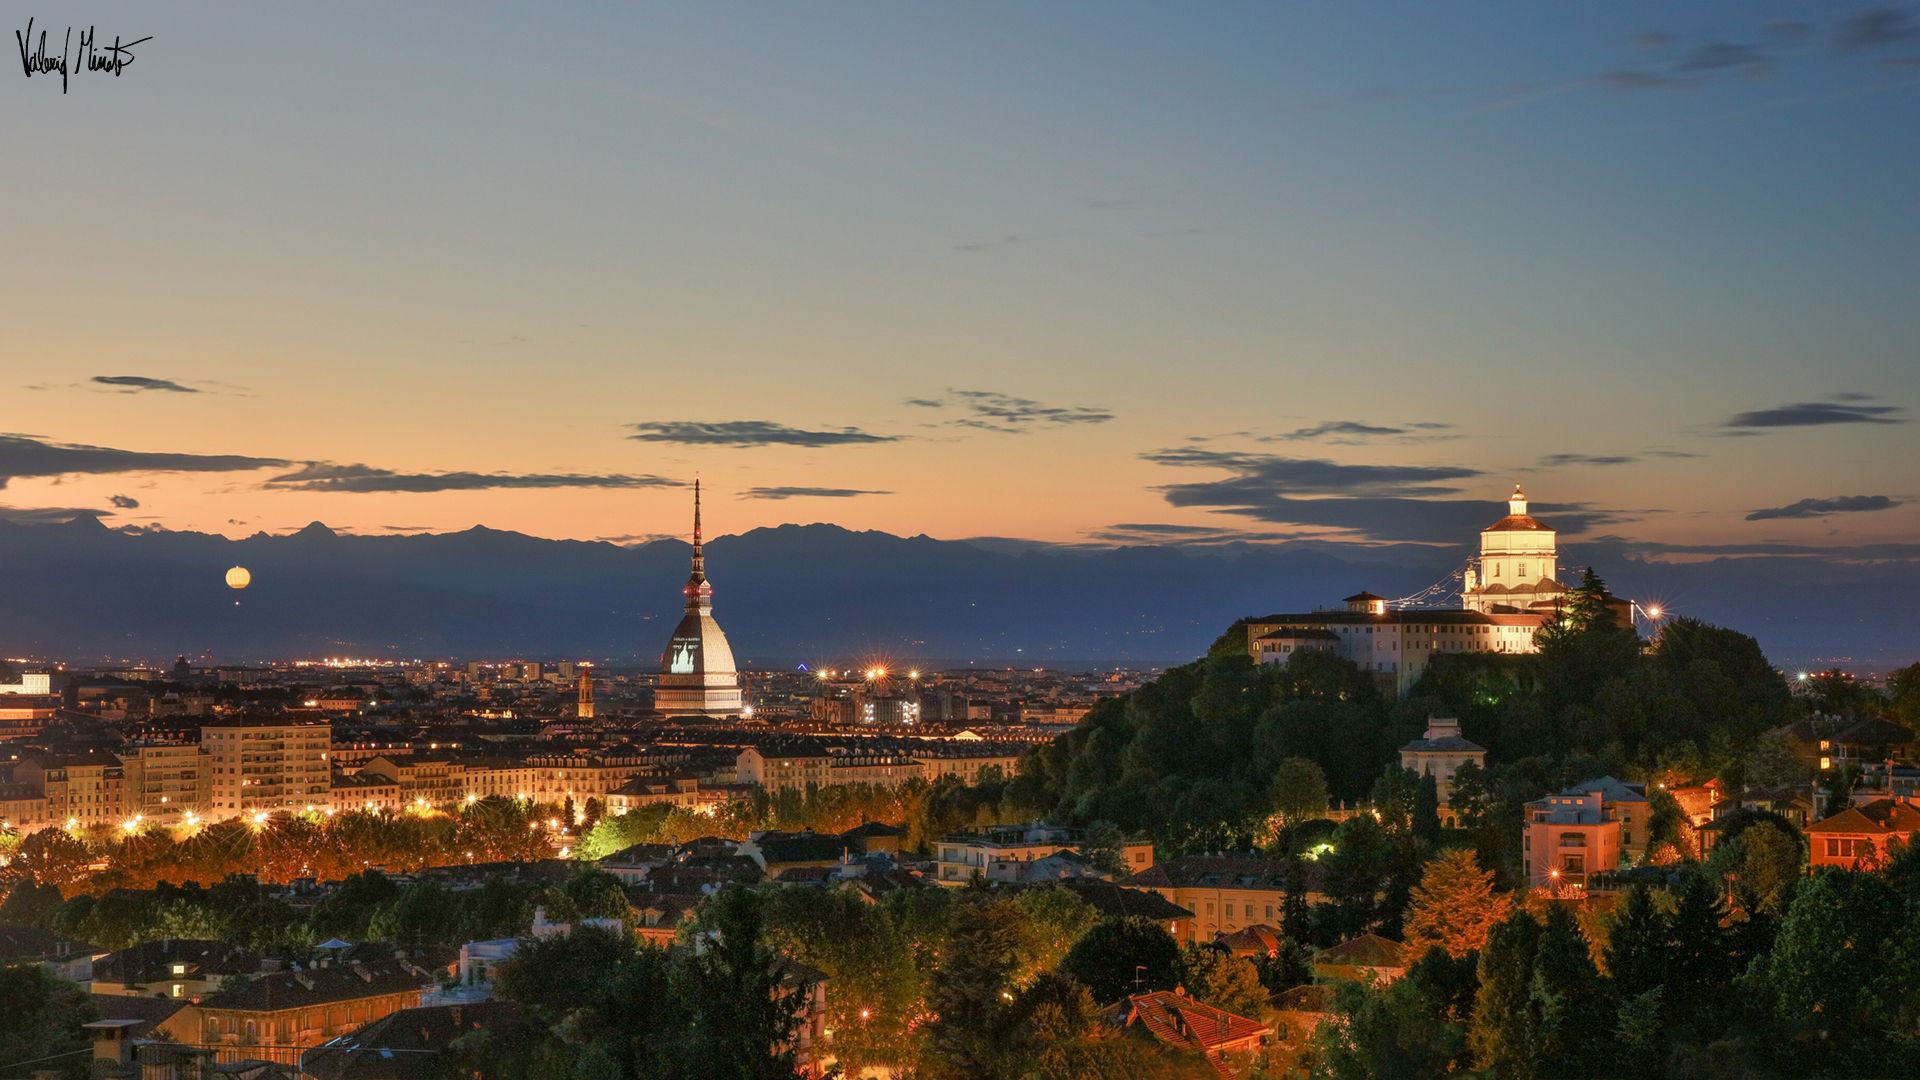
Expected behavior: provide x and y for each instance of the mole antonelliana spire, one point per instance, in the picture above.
(697, 677)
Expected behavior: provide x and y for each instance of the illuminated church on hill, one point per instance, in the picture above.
(1515, 571)
(1509, 591)
(697, 677)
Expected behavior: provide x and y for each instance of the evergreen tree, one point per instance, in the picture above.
(1702, 956)
(747, 1002)
(1503, 1034)
(1571, 1020)
(1454, 906)
(970, 992)
(1638, 952)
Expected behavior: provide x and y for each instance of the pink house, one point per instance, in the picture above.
(1569, 837)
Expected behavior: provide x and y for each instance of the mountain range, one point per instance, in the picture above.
(807, 593)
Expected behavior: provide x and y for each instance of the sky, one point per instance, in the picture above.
(1072, 273)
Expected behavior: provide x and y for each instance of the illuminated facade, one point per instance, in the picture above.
(1516, 572)
(266, 765)
(697, 677)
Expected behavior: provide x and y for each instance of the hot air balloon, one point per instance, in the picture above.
(239, 578)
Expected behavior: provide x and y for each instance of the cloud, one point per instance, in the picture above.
(1813, 508)
(325, 476)
(1552, 461)
(1727, 56)
(124, 502)
(133, 384)
(1815, 413)
(28, 455)
(806, 493)
(1378, 502)
(48, 515)
(988, 410)
(1336, 427)
(1875, 28)
(1184, 535)
(1652, 41)
(749, 433)
(635, 539)
(1271, 474)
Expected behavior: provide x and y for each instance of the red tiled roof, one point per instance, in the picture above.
(1178, 1020)
(1879, 816)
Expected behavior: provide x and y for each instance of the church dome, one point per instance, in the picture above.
(697, 676)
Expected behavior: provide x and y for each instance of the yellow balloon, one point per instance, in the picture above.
(238, 578)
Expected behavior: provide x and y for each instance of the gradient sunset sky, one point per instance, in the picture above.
(1066, 272)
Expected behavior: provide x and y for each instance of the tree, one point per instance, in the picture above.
(54, 857)
(1218, 978)
(970, 993)
(40, 1016)
(1124, 956)
(1050, 920)
(597, 894)
(1571, 1021)
(1638, 951)
(1395, 1032)
(746, 1002)
(1503, 1034)
(346, 911)
(1762, 860)
(1105, 849)
(1299, 791)
(562, 973)
(1838, 963)
(1454, 906)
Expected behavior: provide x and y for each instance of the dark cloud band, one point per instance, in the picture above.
(324, 476)
(748, 433)
(27, 456)
(1813, 508)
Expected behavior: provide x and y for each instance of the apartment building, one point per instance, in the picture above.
(164, 782)
(265, 765)
(1226, 893)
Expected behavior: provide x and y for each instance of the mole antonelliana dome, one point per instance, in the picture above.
(697, 677)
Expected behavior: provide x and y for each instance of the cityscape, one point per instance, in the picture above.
(969, 543)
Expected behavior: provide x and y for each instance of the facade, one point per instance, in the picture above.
(1440, 753)
(1858, 836)
(165, 783)
(79, 789)
(266, 765)
(276, 1016)
(1587, 829)
(1226, 893)
(697, 676)
(1516, 572)
(1005, 853)
(783, 772)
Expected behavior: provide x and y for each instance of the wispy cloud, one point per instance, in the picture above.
(1272, 474)
(48, 515)
(1374, 502)
(1877, 28)
(749, 433)
(325, 476)
(1552, 461)
(1813, 508)
(1816, 413)
(134, 384)
(29, 455)
(806, 493)
(988, 410)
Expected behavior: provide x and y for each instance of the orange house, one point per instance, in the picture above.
(1860, 834)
